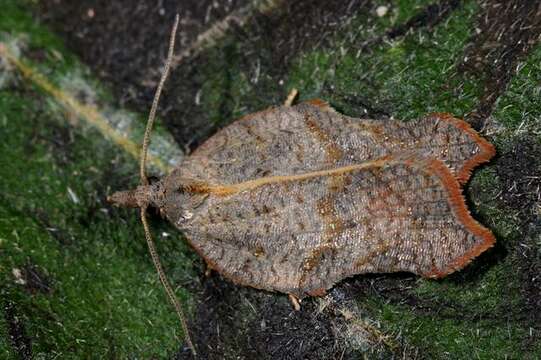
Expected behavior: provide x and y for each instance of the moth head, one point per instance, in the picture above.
(185, 199)
(140, 197)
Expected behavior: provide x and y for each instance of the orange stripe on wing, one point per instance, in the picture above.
(458, 205)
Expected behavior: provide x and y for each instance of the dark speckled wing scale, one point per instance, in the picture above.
(296, 199)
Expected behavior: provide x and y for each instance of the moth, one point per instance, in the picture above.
(294, 199)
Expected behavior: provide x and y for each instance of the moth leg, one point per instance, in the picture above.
(208, 270)
(295, 302)
(291, 97)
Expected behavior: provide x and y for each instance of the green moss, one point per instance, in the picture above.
(230, 90)
(232, 86)
(5, 346)
(519, 108)
(44, 55)
(15, 18)
(484, 191)
(407, 77)
(490, 294)
(225, 88)
(105, 296)
(441, 337)
(17, 22)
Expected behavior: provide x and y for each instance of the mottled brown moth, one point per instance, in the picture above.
(296, 198)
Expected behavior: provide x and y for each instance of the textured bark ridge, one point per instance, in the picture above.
(295, 199)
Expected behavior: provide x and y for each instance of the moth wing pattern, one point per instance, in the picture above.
(313, 136)
(295, 199)
(414, 219)
(437, 135)
(302, 236)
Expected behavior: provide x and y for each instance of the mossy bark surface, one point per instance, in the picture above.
(76, 277)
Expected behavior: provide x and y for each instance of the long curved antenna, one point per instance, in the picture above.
(144, 181)
(152, 114)
(164, 281)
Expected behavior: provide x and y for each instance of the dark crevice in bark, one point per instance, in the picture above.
(505, 32)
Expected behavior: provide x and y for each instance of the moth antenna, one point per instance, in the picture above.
(164, 281)
(152, 114)
(144, 181)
